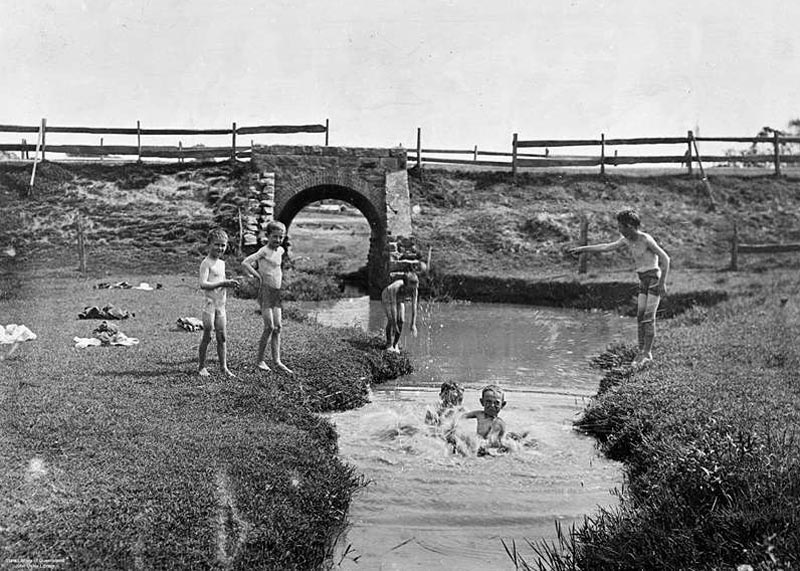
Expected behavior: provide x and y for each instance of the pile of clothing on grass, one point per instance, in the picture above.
(103, 335)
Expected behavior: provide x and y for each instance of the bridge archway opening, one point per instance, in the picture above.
(377, 226)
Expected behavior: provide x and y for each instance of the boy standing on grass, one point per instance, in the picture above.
(214, 286)
(652, 266)
(393, 298)
(265, 266)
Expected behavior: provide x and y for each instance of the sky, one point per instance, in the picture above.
(466, 72)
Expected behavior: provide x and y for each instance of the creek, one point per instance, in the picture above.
(430, 505)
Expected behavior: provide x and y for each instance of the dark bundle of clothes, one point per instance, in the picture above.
(107, 312)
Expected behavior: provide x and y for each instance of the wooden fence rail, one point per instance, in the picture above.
(688, 156)
(739, 248)
(180, 151)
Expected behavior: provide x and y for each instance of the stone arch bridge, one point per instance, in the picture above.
(373, 180)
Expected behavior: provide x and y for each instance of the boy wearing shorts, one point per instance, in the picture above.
(652, 266)
(265, 266)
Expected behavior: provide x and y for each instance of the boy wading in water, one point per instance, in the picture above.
(652, 266)
(393, 299)
(265, 266)
(214, 286)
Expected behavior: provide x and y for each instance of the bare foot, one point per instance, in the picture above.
(229, 373)
(263, 366)
(393, 349)
(284, 368)
(204, 372)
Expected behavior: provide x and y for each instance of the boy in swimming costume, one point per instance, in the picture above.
(393, 298)
(265, 266)
(214, 286)
(490, 425)
(652, 266)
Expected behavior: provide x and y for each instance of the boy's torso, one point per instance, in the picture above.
(269, 266)
(643, 256)
(216, 273)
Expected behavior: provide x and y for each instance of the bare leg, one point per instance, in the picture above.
(641, 304)
(276, 340)
(389, 324)
(208, 325)
(266, 335)
(399, 329)
(221, 325)
(649, 326)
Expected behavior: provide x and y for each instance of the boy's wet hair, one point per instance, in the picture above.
(273, 225)
(494, 389)
(410, 278)
(217, 234)
(451, 394)
(629, 218)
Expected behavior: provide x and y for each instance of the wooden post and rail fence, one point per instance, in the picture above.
(517, 158)
(179, 152)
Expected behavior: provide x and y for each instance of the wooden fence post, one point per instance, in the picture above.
(233, 141)
(327, 130)
(777, 152)
(139, 140)
(602, 153)
(689, 138)
(81, 245)
(419, 151)
(39, 144)
(514, 157)
(735, 247)
(583, 240)
(241, 231)
(180, 151)
(475, 153)
(23, 151)
(44, 134)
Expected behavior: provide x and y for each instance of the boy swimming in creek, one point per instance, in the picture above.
(490, 426)
(451, 395)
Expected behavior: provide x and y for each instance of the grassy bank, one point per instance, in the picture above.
(709, 440)
(122, 457)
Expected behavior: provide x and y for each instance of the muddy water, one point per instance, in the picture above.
(430, 505)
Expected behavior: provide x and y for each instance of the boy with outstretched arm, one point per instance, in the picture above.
(393, 298)
(265, 266)
(652, 266)
(215, 287)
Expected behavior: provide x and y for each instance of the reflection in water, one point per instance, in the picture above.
(429, 506)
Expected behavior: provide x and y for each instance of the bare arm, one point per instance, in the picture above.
(414, 299)
(249, 265)
(606, 247)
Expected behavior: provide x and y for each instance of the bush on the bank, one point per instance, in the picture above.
(710, 441)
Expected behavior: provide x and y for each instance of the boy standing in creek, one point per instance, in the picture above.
(652, 266)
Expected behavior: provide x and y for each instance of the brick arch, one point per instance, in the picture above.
(374, 180)
(322, 188)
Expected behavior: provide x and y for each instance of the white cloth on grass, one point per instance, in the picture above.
(14, 333)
